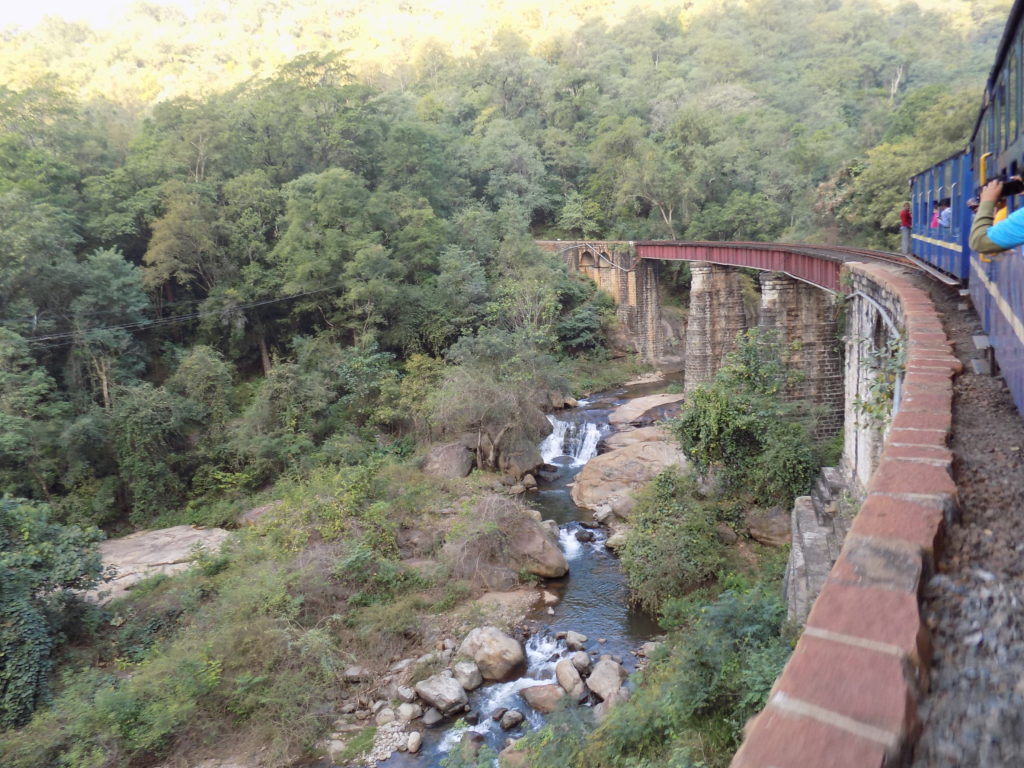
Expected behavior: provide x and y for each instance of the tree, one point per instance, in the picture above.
(31, 417)
(42, 565)
(104, 316)
(148, 425)
(37, 268)
(182, 248)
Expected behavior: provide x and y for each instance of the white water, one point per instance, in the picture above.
(540, 670)
(568, 543)
(575, 439)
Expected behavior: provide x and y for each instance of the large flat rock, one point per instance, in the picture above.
(617, 440)
(610, 479)
(634, 410)
(147, 553)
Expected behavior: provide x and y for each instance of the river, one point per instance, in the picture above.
(593, 597)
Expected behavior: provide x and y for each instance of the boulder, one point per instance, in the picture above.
(414, 742)
(769, 526)
(616, 540)
(405, 693)
(143, 554)
(503, 537)
(408, 712)
(522, 461)
(639, 409)
(510, 757)
(470, 746)
(725, 533)
(497, 655)
(581, 660)
(543, 698)
(449, 460)
(498, 713)
(387, 715)
(442, 692)
(610, 479)
(606, 678)
(511, 719)
(649, 648)
(614, 698)
(569, 678)
(574, 641)
(529, 482)
(468, 675)
(432, 717)
(356, 674)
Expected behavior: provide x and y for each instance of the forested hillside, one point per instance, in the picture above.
(280, 241)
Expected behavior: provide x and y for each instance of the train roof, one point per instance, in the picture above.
(1009, 35)
(930, 168)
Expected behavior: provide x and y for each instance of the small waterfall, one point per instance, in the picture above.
(542, 653)
(568, 543)
(576, 439)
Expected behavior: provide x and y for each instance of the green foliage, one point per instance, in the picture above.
(148, 425)
(693, 699)
(885, 366)
(738, 426)
(672, 547)
(691, 706)
(41, 564)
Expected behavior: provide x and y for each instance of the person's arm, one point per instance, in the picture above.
(979, 240)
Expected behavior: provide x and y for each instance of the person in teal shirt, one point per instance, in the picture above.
(987, 237)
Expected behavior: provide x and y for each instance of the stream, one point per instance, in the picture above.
(593, 598)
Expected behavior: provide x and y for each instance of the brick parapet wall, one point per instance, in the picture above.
(848, 696)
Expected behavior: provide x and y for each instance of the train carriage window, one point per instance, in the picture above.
(997, 118)
(1013, 107)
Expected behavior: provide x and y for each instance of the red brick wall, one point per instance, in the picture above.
(848, 696)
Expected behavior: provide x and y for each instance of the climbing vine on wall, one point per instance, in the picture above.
(41, 563)
(885, 366)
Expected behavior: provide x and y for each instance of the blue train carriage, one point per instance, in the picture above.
(944, 247)
(997, 284)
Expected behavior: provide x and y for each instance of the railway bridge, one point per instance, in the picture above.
(849, 694)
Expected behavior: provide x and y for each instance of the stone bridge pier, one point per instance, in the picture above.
(806, 318)
(632, 283)
(804, 315)
(717, 314)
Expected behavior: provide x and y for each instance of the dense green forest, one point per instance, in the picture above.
(279, 246)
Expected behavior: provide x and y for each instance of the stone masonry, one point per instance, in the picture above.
(632, 284)
(717, 314)
(805, 317)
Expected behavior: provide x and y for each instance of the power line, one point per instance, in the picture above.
(63, 339)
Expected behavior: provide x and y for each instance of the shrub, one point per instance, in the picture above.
(672, 546)
(42, 563)
(691, 706)
(738, 425)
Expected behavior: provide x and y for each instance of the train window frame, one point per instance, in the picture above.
(1015, 71)
(998, 108)
(1011, 99)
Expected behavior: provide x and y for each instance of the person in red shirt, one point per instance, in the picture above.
(906, 222)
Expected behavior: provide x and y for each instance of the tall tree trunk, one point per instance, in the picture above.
(264, 353)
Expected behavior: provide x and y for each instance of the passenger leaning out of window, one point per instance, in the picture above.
(988, 236)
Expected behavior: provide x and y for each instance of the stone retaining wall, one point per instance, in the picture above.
(848, 696)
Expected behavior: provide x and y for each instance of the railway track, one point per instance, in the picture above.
(828, 252)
